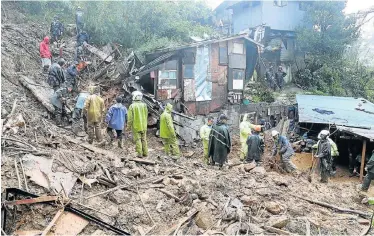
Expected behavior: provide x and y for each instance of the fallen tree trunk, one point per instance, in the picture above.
(360, 213)
(42, 94)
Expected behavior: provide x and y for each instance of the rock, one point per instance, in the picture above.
(120, 197)
(248, 200)
(133, 173)
(204, 219)
(274, 208)
(281, 182)
(236, 203)
(278, 222)
(194, 196)
(363, 221)
(159, 206)
(166, 181)
(259, 170)
(255, 229)
(174, 181)
(249, 167)
(4, 113)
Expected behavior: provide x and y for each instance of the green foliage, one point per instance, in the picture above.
(139, 25)
(330, 69)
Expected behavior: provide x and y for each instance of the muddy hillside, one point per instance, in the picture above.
(90, 189)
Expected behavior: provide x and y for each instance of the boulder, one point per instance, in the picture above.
(204, 219)
(120, 197)
(274, 208)
(259, 170)
(278, 222)
(174, 181)
(250, 166)
(166, 181)
(134, 172)
(248, 200)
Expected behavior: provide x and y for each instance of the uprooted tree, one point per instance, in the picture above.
(330, 66)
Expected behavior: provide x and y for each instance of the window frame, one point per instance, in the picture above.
(219, 56)
(233, 48)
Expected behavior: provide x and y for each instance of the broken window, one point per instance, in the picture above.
(238, 76)
(223, 55)
(188, 72)
(167, 79)
(238, 48)
(280, 3)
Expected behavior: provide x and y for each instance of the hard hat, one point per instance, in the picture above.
(137, 96)
(257, 128)
(79, 8)
(325, 132)
(274, 133)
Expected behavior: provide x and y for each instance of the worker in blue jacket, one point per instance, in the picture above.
(116, 118)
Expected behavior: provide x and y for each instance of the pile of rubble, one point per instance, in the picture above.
(56, 183)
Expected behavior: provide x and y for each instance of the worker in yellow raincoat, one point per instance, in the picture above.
(204, 135)
(137, 121)
(245, 131)
(94, 110)
(167, 132)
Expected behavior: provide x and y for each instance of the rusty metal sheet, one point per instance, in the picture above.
(219, 98)
(191, 106)
(31, 200)
(163, 94)
(203, 108)
(189, 90)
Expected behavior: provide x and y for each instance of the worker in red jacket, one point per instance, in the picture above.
(45, 54)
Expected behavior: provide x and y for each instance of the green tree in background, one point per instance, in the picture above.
(330, 66)
(138, 25)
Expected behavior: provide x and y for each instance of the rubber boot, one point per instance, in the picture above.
(120, 143)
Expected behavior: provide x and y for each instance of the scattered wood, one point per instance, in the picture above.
(98, 52)
(307, 225)
(32, 200)
(211, 201)
(19, 141)
(277, 231)
(175, 228)
(106, 182)
(24, 176)
(52, 223)
(169, 194)
(362, 214)
(13, 109)
(89, 146)
(143, 161)
(141, 200)
(365, 230)
(107, 173)
(90, 208)
(17, 172)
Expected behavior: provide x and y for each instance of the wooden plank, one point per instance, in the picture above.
(52, 223)
(363, 160)
(69, 224)
(31, 201)
(98, 52)
(143, 161)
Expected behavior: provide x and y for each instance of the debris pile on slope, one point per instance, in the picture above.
(108, 190)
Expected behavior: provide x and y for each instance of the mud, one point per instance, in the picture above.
(263, 193)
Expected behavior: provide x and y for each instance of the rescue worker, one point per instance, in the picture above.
(59, 102)
(219, 142)
(45, 54)
(137, 121)
(324, 155)
(71, 76)
(283, 146)
(167, 132)
(94, 109)
(270, 78)
(279, 77)
(370, 173)
(79, 19)
(56, 75)
(82, 37)
(116, 119)
(79, 105)
(204, 135)
(57, 29)
(245, 131)
(255, 146)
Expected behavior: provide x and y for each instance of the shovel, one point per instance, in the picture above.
(311, 168)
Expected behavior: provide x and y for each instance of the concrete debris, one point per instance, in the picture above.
(278, 222)
(249, 200)
(120, 197)
(274, 208)
(204, 219)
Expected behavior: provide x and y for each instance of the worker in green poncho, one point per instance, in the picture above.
(245, 131)
(137, 121)
(204, 135)
(167, 132)
(370, 173)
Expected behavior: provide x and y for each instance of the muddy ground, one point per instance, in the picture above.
(237, 200)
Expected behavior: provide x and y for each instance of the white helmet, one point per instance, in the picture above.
(323, 132)
(274, 133)
(137, 96)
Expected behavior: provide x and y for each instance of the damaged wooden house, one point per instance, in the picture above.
(200, 77)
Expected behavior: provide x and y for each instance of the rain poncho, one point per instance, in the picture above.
(94, 107)
(58, 95)
(219, 143)
(138, 116)
(167, 132)
(283, 146)
(116, 116)
(204, 135)
(324, 155)
(370, 173)
(245, 131)
(44, 48)
(255, 147)
(56, 76)
(166, 123)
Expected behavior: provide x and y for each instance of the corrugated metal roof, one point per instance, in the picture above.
(343, 108)
(155, 63)
(367, 133)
